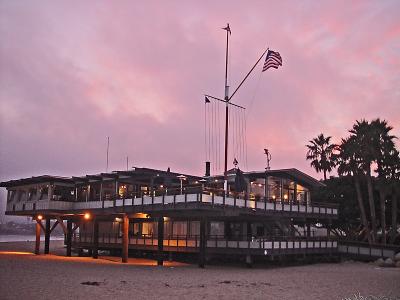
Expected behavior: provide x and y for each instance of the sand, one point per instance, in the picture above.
(24, 275)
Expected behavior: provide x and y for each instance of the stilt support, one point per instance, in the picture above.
(69, 237)
(95, 252)
(47, 237)
(202, 248)
(160, 256)
(37, 244)
(249, 261)
(125, 239)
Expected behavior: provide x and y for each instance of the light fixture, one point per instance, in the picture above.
(118, 219)
(86, 216)
(39, 217)
(216, 180)
(285, 196)
(273, 197)
(161, 186)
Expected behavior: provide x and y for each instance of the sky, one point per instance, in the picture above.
(74, 72)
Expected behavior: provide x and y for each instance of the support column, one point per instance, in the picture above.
(160, 256)
(125, 239)
(203, 242)
(249, 261)
(37, 244)
(95, 252)
(248, 231)
(308, 230)
(47, 237)
(69, 237)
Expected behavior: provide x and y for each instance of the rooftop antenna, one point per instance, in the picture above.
(269, 157)
(227, 99)
(108, 146)
(127, 163)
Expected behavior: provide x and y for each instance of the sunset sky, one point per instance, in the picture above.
(74, 72)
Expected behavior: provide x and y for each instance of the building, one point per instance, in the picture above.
(268, 213)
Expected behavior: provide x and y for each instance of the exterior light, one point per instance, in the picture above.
(285, 196)
(216, 180)
(161, 186)
(273, 197)
(196, 182)
(39, 217)
(118, 219)
(260, 185)
(87, 216)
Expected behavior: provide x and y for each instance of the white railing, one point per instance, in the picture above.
(172, 199)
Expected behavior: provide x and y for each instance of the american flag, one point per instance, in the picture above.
(272, 60)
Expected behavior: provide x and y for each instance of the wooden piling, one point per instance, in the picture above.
(95, 252)
(37, 244)
(69, 237)
(125, 239)
(47, 237)
(160, 244)
(202, 248)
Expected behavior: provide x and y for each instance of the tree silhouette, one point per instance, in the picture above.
(320, 152)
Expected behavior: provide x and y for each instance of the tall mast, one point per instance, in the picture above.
(228, 32)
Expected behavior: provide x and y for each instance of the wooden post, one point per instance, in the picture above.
(249, 261)
(37, 244)
(248, 231)
(160, 257)
(69, 237)
(203, 243)
(47, 237)
(125, 239)
(95, 252)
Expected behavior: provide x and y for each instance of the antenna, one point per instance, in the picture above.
(127, 163)
(108, 146)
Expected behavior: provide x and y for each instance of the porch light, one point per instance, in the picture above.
(118, 219)
(273, 197)
(285, 196)
(39, 217)
(87, 216)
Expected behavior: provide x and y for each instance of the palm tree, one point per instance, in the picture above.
(320, 152)
(349, 163)
(363, 136)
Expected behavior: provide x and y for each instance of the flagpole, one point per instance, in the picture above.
(228, 32)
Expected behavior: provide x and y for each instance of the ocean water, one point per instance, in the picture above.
(25, 238)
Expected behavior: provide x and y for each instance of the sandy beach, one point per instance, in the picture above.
(27, 276)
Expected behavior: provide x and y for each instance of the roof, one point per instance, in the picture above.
(293, 174)
(134, 172)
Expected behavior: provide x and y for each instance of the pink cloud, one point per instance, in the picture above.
(71, 75)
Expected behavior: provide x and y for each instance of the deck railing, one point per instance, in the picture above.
(268, 243)
(204, 196)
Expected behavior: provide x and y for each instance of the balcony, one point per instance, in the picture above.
(208, 199)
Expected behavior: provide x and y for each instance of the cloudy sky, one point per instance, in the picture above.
(73, 73)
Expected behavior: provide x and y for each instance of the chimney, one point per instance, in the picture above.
(207, 168)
